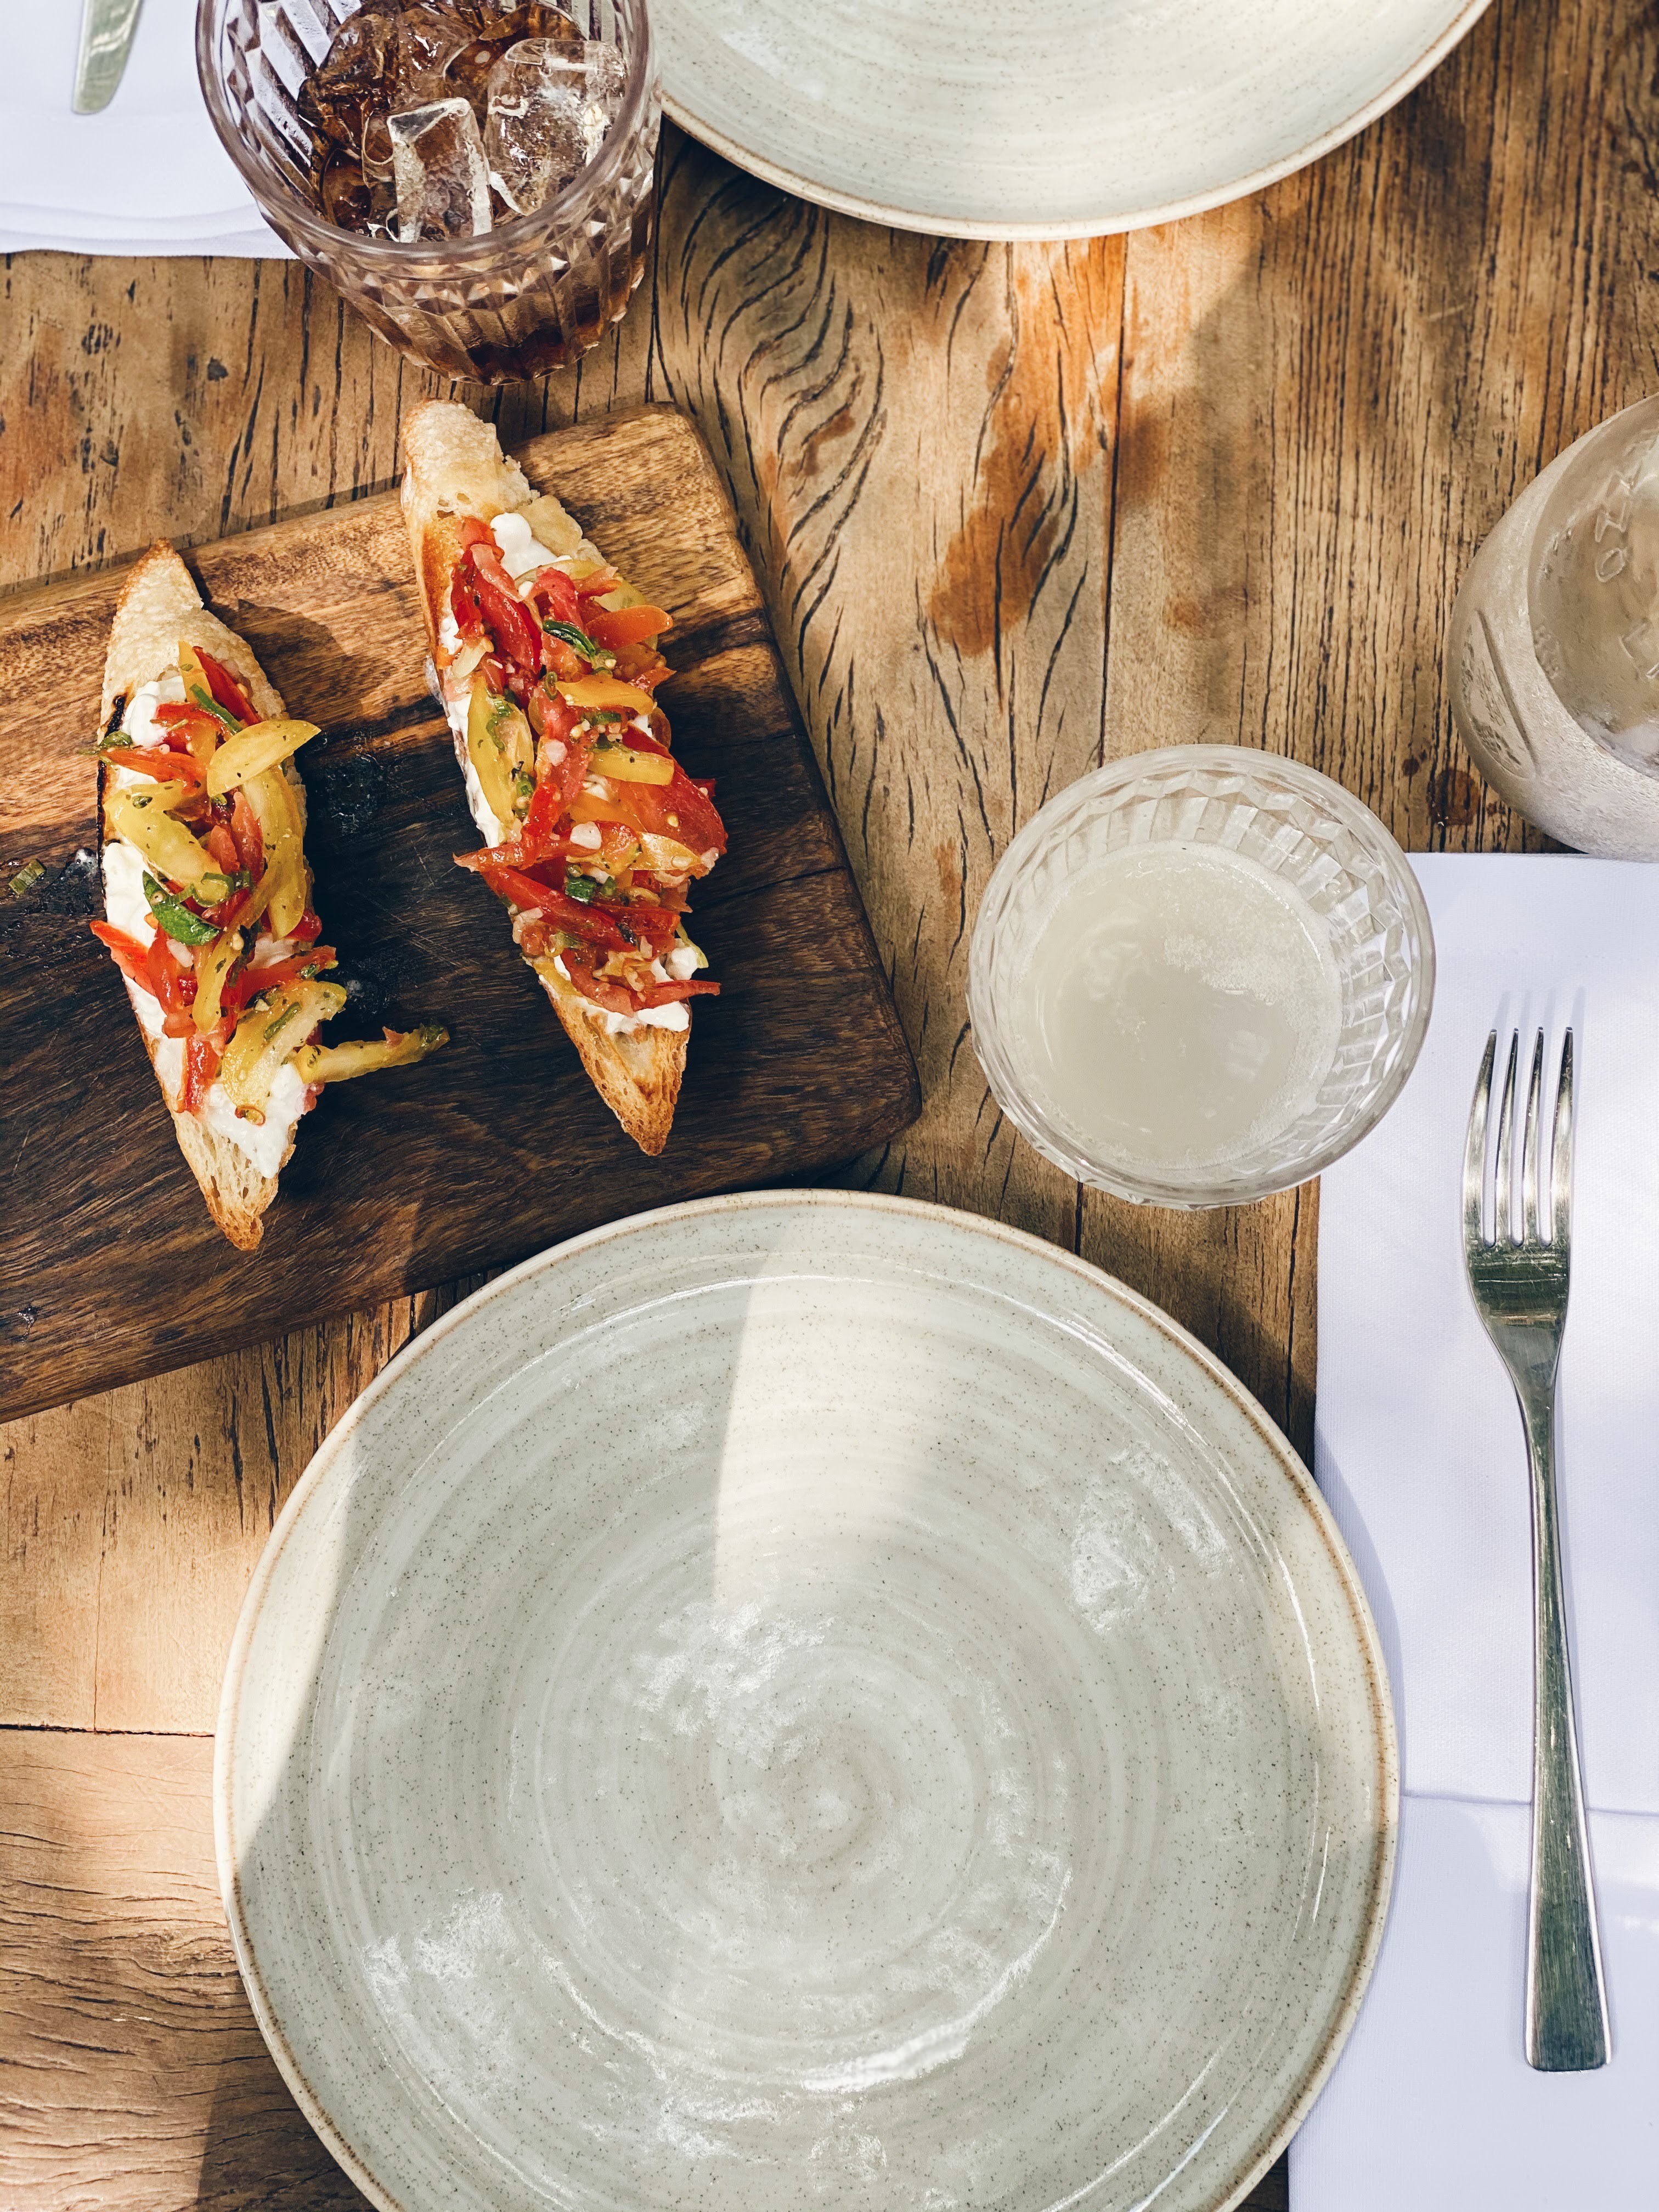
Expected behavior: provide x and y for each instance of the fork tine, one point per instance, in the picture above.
(1561, 1152)
(1531, 1143)
(1474, 1150)
(1500, 1228)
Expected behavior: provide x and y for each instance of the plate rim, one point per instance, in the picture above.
(805, 1201)
(935, 225)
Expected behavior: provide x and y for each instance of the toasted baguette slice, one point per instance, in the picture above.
(159, 608)
(454, 469)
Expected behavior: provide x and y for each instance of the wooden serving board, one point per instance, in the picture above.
(110, 1267)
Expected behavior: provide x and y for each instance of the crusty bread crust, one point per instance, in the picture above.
(454, 468)
(160, 607)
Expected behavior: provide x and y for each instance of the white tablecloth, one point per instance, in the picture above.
(1419, 1449)
(146, 176)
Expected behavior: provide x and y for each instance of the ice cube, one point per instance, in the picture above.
(520, 19)
(552, 102)
(353, 76)
(438, 162)
(352, 201)
(428, 40)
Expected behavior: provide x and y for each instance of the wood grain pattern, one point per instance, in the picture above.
(499, 1146)
(1011, 510)
(115, 1954)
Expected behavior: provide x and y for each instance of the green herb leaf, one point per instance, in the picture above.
(238, 882)
(174, 917)
(580, 887)
(275, 1029)
(31, 873)
(206, 700)
(579, 641)
(116, 741)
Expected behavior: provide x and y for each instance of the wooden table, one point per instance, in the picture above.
(1015, 510)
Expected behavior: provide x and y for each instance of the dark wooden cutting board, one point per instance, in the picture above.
(110, 1267)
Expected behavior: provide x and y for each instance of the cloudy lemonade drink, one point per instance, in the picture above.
(1181, 1007)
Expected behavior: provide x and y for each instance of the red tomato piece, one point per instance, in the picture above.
(517, 633)
(654, 925)
(192, 729)
(225, 688)
(167, 981)
(663, 994)
(306, 929)
(201, 1066)
(556, 907)
(579, 963)
(555, 595)
(676, 810)
(464, 605)
(249, 838)
(256, 979)
(130, 955)
(163, 763)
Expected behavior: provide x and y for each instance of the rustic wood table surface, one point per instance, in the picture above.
(1016, 510)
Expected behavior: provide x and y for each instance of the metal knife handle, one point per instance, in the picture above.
(1567, 2026)
(107, 29)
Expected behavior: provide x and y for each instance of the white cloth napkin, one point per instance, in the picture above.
(146, 176)
(1419, 1449)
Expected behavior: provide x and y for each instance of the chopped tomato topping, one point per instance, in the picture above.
(190, 729)
(580, 962)
(641, 665)
(163, 763)
(517, 633)
(287, 971)
(616, 627)
(222, 846)
(556, 907)
(663, 994)
(130, 956)
(171, 984)
(248, 837)
(201, 1066)
(555, 595)
(655, 926)
(676, 810)
(307, 928)
(464, 605)
(225, 688)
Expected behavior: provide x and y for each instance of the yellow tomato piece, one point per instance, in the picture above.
(262, 745)
(500, 746)
(276, 807)
(213, 964)
(268, 1035)
(607, 691)
(141, 819)
(666, 856)
(627, 766)
(337, 1063)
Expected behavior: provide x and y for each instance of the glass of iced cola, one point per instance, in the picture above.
(475, 176)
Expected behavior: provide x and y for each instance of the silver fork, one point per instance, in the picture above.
(1519, 1284)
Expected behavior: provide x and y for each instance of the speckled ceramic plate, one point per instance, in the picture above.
(1031, 119)
(804, 1699)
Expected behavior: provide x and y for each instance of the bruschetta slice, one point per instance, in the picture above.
(207, 895)
(547, 663)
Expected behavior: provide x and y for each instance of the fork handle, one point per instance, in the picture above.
(1566, 2022)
